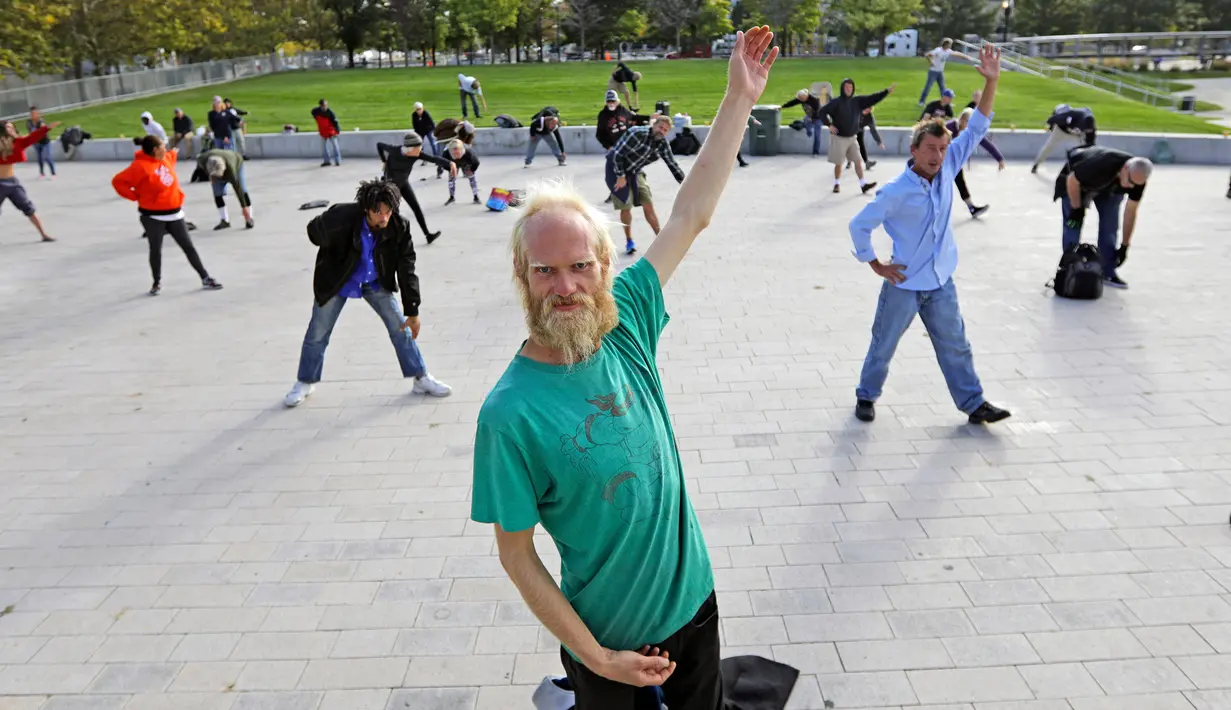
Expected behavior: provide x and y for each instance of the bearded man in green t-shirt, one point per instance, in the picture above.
(576, 437)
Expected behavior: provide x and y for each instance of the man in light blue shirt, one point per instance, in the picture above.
(915, 210)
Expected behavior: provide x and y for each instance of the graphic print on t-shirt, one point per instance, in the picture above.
(617, 451)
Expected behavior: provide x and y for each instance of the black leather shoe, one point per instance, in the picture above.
(988, 413)
(865, 410)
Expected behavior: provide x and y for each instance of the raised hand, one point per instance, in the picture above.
(747, 72)
(989, 62)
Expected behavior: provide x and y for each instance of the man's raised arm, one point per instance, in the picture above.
(694, 205)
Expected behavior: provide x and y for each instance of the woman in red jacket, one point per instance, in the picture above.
(13, 151)
(151, 182)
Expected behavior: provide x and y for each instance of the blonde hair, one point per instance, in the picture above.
(559, 195)
(6, 141)
(660, 118)
(457, 144)
(932, 127)
(965, 115)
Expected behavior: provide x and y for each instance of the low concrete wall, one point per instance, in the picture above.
(579, 140)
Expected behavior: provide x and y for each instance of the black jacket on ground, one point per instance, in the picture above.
(182, 125)
(398, 165)
(845, 112)
(611, 124)
(422, 123)
(336, 231)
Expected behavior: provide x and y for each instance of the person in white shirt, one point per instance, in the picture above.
(936, 66)
(469, 86)
(152, 127)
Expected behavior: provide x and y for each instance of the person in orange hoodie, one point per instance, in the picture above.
(151, 182)
(327, 126)
(13, 151)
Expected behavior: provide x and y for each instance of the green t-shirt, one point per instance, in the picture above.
(590, 454)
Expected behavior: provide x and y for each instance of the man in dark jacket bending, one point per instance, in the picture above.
(843, 115)
(400, 161)
(364, 251)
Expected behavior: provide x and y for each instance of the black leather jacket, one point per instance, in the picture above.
(336, 232)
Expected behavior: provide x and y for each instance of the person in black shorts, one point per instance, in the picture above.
(1102, 177)
(400, 161)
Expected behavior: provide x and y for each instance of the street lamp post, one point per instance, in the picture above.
(1007, 6)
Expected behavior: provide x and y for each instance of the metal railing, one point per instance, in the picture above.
(1111, 83)
(62, 95)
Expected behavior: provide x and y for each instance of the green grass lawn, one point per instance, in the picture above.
(382, 98)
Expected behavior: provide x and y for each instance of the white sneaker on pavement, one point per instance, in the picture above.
(431, 386)
(298, 394)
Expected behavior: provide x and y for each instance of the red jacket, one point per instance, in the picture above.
(20, 143)
(151, 183)
(326, 122)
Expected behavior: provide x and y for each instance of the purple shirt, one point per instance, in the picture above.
(985, 144)
(365, 270)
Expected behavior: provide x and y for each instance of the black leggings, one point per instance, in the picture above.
(408, 194)
(154, 231)
(960, 181)
(863, 151)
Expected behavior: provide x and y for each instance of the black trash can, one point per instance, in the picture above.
(1188, 103)
(764, 138)
(663, 107)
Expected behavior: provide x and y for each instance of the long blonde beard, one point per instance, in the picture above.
(575, 335)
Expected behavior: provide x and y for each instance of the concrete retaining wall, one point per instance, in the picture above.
(579, 140)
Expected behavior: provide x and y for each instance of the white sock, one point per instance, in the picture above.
(222, 214)
(251, 212)
(862, 182)
(835, 181)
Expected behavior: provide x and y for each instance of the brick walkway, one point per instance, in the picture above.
(172, 539)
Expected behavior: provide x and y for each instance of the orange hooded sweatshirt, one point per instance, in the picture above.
(151, 183)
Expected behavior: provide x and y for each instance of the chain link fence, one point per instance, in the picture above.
(93, 90)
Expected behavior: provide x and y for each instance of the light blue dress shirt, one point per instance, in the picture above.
(916, 215)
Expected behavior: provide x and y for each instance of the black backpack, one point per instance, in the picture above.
(504, 120)
(685, 143)
(1080, 273)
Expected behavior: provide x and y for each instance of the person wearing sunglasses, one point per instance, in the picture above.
(1102, 178)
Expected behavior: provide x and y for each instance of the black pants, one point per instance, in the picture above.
(696, 683)
(863, 150)
(154, 231)
(960, 181)
(408, 194)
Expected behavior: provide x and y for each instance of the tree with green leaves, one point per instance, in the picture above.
(1050, 17)
(955, 18)
(872, 20)
(584, 16)
(357, 20)
(26, 36)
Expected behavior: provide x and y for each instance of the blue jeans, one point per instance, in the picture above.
(222, 143)
(474, 101)
(326, 144)
(934, 77)
(43, 151)
(814, 128)
(1108, 206)
(386, 305)
(533, 146)
(939, 311)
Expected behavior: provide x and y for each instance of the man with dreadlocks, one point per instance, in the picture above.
(364, 251)
(12, 151)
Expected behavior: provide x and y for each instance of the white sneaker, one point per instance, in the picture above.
(431, 386)
(298, 394)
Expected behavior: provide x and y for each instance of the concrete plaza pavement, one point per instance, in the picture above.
(171, 538)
